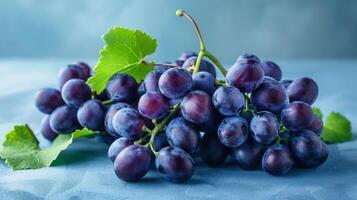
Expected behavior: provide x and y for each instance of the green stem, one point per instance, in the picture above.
(221, 83)
(107, 102)
(198, 62)
(216, 62)
(246, 102)
(166, 65)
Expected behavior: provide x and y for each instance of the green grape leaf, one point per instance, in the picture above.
(21, 149)
(337, 129)
(124, 52)
(317, 111)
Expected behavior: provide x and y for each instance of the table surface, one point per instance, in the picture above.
(84, 171)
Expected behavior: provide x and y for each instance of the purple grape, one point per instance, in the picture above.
(47, 100)
(264, 127)
(205, 66)
(46, 130)
(211, 125)
(182, 134)
(196, 106)
(71, 72)
(160, 141)
(297, 116)
(128, 122)
(117, 146)
(308, 150)
(303, 89)
(151, 81)
(277, 160)
(184, 56)
(85, 68)
(204, 81)
(75, 92)
(141, 89)
(101, 97)
(228, 100)
(175, 82)
(247, 57)
(63, 120)
(91, 115)
(154, 105)
(286, 83)
(108, 120)
(132, 163)
(175, 164)
(233, 131)
(249, 155)
(271, 69)
(317, 125)
(122, 87)
(212, 151)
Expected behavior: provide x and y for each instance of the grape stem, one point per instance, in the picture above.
(160, 127)
(166, 65)
(107, 102)
(246, 96)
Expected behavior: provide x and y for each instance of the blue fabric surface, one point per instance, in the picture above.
(84, 172)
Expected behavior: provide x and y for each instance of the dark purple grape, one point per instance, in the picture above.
(63, 120)
(91, 115)
(47, 100)
(317, 125)
(75, 92)
(269, 96)
(128, 122)
(184, 56)
(271, 69)
(204, 81)
(117, 146)
(247, 57)
(182, 134)
(249, 154)
(308, 150)
(122, 87)
(286, 83)
(175, 82)
(71, 72)
(85, 68)
(228, 100)
(175, 164)
(264, 127)
(297, 116)
(277, 160)
(154, 105)
(303, 89)
(211, 125)
(160, 141)
(132, 163)
(196, 106)
(245, 75)
(205, 66)
(108, 120)
(212, 151)
(151, 81)
(46, 129)
(233, 131)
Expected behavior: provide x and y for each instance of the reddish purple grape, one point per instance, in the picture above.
(175, 82)
(297, 116)
(277, 160)
(117, 146)
(85, 68)
(75, 92)
(233, 131)
(128, 122)
(47, 100)
(303, 89)
(196, 106)
(154, 105)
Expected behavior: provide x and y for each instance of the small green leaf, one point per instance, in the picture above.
(124, 52)
(21, 148)
(337, 128)
(317, 111)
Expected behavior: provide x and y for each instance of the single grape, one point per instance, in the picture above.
(175, 82)
(277, 160)
(175, 164)
(196, 106)
(212, 151)
(233, 131)
(154, 105)
(160, 141)
(264, 127)
(46, 129)
(271, 69)
(117, 146)
(151, 81)
(316, 125)
(132, 163)
(205, 66)
(63, 120)
(212, 123)
(182, 134)
(303, 89)
(47, 100)
(184, 56)
(128, 122)
(75, 92)
(108, 120)
(247, 57)
(71, 72)
(85, 68)
(91, 115)
(228, 100)
(122, 87)
(204, 81)
(297, 116)
(249, 155)
(269, 96)
(286, 83)
(308, 149)
(246, 75)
